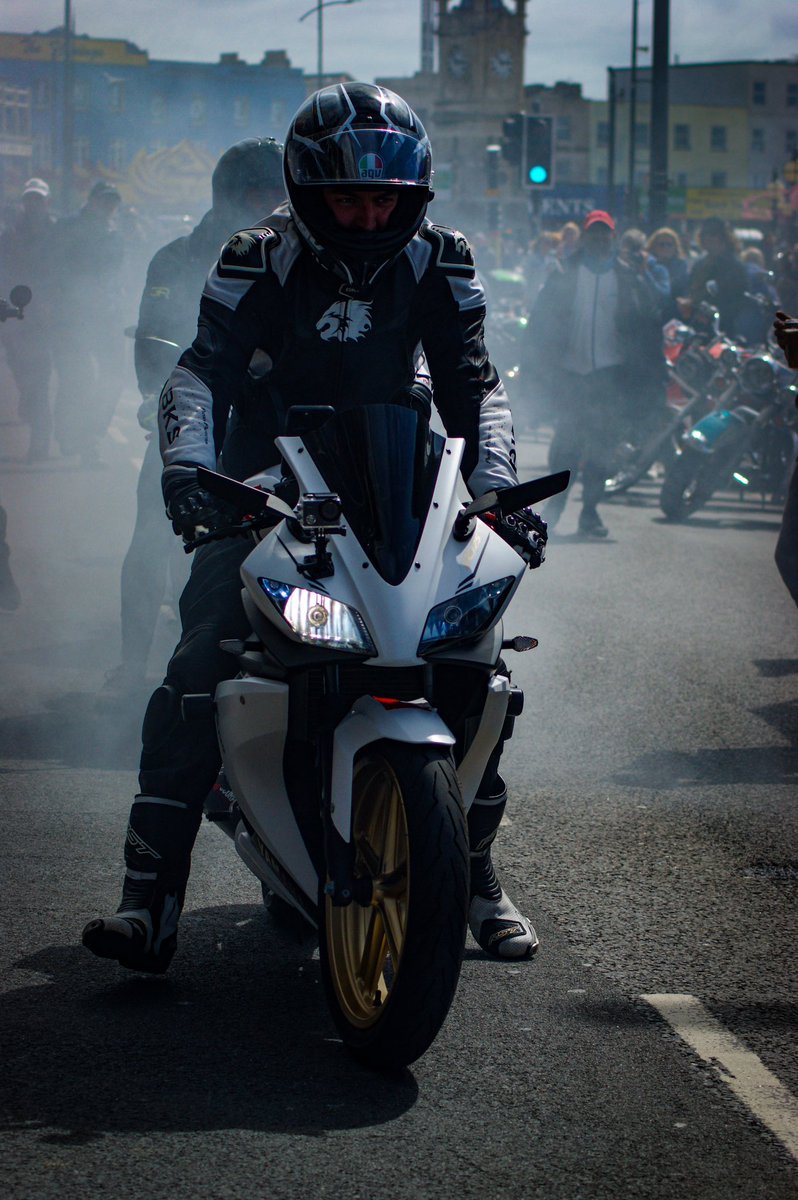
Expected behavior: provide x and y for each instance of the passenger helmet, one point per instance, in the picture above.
(364, 136)
(254, 164)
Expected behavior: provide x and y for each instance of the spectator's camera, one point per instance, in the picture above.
(320, 511)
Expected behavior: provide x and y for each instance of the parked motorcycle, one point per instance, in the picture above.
(748, 441)
(369, 698)
(692, 356)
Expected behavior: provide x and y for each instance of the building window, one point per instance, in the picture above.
(15, 116)
(241, 111)
(565, 170)
(760, 179)
(564, 133)
(641, 135)
(718, 179)
(116, 95)
(757, 141)
(197, 111)
(681, 179)
(681, 137)
(602, 176)
(791, 142)
(80, 95)
(117, 155)
(158, 110)
(758, 92)
(81, 153)
(42, 153)
(41, 93)
(792, 95)
(717, 138)
(278, 114)
(603, 133)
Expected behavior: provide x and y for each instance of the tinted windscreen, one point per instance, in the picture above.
(383, 461)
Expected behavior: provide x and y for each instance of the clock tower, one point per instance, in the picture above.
(481, 54)
(463, 100)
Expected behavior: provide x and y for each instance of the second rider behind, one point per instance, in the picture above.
(341, 293)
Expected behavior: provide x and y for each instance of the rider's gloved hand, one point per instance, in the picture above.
(147, 414)
(526, 532)
(191, 509)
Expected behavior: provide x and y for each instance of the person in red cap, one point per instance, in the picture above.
(595, 340)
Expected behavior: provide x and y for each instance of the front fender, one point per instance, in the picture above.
(369, 721)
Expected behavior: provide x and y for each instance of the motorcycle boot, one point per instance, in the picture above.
(142, 934)
(496, 924)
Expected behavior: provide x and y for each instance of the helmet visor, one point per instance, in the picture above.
(360, 156)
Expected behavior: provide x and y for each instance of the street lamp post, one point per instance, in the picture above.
(67, 141)
(631, 202)
(319, 10)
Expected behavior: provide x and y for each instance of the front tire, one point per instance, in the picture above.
(390, 969)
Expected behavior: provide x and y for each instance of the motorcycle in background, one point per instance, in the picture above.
(748, 441)
(695, 377)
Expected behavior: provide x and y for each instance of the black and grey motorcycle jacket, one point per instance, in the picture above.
(328, 343)
(170, 301)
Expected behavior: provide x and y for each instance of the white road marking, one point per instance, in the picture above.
(738, 1067)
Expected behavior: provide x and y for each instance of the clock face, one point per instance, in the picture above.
(501, 63)
(457, 62)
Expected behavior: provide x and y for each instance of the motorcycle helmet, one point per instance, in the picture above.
(256, 164)
(356, 135)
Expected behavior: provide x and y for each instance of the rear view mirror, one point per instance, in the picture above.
(20, 295)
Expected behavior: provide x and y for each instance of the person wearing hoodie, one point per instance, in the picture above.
(25, 258)
(247, 182)
(88, 259)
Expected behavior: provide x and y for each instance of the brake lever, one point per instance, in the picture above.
(218, 535)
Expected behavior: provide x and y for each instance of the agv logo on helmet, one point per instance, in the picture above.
(370, 166)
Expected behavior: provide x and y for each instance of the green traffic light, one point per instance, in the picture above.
(538, 174)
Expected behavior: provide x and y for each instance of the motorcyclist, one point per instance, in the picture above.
(247, 183)
(340, 292)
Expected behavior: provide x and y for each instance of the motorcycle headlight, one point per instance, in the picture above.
(464, 617)
(316, 618)
(757, 376)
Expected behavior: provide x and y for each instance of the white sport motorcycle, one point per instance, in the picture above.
(369, 697)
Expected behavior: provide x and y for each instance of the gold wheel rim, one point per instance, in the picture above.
(365, 943)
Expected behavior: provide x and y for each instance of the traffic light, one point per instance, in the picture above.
(513, 139)
(538, 163)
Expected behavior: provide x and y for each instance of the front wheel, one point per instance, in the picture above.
(680, 493)
(390, 968)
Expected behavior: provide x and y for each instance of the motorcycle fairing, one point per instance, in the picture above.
(251, 720)
(394, 614)
(717, 427)
(383, 462)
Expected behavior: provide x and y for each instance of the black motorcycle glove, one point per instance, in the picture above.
(191, 509)
(526, 532)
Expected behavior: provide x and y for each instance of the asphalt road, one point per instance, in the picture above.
(651, 833)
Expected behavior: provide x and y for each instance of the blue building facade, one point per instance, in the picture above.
(153, 127)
